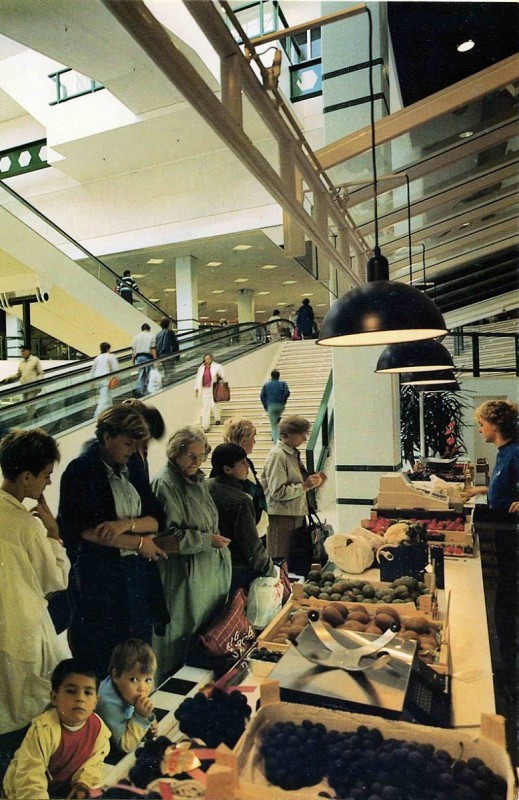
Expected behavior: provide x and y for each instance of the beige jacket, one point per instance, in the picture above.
(282, 482)
(27, 777)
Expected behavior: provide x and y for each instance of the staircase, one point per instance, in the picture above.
(306, 368)
(494, 352)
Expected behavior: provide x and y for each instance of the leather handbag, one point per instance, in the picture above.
(231, 633)
(221, 391)
(114, 382)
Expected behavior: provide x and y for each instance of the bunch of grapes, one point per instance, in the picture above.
(264, 654)
(362, 765)
(219, 717)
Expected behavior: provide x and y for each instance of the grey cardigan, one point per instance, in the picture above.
(282, 482)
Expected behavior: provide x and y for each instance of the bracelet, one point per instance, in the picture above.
(132, 529)
(141, 539)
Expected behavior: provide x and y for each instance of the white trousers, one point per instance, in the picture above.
(209, 405)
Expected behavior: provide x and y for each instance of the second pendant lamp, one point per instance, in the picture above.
(414, 357)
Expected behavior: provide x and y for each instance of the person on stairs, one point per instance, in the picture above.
(274, 395)
(207, 374)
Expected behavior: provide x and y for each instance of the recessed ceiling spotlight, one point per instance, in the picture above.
(241, 280)
(155, 261)
(288, 283)
(214, 263)
(242, 247)
(464, 47)
(169, 290)
(262, 293)
(466, 134)
(218, 291)
(269, 266)
(137, 274)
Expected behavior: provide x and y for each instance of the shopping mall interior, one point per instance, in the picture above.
(234, 159)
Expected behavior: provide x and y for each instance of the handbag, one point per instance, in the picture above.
(231, 633)
(296, 336)
(221, 391)
(114, 382)
(264, 600)
(307, 546)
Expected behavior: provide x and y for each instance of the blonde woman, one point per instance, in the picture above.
(242, 431)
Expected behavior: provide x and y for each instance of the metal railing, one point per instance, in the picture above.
(318, 445)
(489, 353)
(67, 396)
(73, 85)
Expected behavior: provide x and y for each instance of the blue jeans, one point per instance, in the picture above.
(275, 410)
(144, 373)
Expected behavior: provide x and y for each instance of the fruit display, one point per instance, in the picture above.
(214, 718)
(381, 524)
(364, 765)
(326, 586)
(452, 534)
(377, 620)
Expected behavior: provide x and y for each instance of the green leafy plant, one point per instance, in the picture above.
(443, 422)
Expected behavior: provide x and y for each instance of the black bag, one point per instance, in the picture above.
(307, 546)
(397, 562)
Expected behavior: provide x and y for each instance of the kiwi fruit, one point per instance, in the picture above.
(418, 624)
(353, 625)
(344, 610)
(374, 629)
(332, 616)
(387, 609)
(409, 635)
(384, 621)
(360, 616)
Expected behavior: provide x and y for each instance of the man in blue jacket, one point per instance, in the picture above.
(274, 395)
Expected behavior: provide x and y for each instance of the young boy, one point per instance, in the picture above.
(63, 752)
(124, 702)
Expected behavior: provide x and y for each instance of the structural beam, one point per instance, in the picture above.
(328, 19)
(459, 94)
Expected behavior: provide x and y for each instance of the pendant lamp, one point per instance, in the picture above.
(436, 377)
(439, 387)
(381, 311)
(414, 357)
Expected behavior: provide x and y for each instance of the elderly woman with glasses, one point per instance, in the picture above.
(197, 575)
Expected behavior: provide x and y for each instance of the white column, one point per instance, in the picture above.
(14, 335)
(245, 305)
(367, 430)
(187, 292)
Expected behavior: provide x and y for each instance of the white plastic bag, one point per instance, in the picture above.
(264, 600)
(154, 380)
(352, 554)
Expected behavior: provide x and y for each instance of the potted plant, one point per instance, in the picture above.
(443, 414)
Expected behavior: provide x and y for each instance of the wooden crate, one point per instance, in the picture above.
(252, 783)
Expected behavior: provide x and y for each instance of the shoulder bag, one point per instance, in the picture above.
(114, 381)
(231, 633)
(221, 391)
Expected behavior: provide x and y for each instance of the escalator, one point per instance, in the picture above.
(67, 396)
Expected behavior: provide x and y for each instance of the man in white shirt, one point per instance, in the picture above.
(143, 350)
(103, 364)
(29, 370)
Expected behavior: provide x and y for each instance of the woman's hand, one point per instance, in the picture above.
(472, 491)
(313, 481)
(149, 549)
(514, 508)
(43, 513)
(107, 532)
(217, 540)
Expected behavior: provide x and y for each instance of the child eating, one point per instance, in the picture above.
(124, 702)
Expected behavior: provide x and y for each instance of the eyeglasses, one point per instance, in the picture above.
(194, 458)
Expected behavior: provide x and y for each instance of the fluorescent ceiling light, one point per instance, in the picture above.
(169, 290)
(269, 266)
(309, 294)
(464, 47)
(262, 293)
(220, 310)
(203, 317)
(137, 274)
(218, 291)
(288, 283)
(154, 299)
(242, 247)
(282, 304)
(261, 312)
(318, 305)
(155, 261)
(214, 263)
(241, 280)
(465, 224)
(466, 134)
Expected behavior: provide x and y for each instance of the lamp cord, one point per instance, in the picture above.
(409, 229)
(372, 122)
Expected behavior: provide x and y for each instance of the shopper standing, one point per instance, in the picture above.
(207, 374)
(126, 286)
(103, 364)
(274, 329)
(305, 320)
(274, 395)
(29, 370)
(143, 351)
(167, 345)
(497, 421)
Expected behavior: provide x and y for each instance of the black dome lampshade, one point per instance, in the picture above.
(439, 387)
(381, 312)
(420, 356)
(433, 377)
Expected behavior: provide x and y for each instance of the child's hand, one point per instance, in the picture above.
(144, 706)
(79, 791)
(154, 729)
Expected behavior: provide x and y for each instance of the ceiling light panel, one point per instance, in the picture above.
(155, 261)
(214, 263)
(241, 280)
(243, 247)
(218, 291)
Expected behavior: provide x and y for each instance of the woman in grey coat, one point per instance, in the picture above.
(197, 575)
(286, 482)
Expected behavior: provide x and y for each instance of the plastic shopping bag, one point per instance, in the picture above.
(154, 380)
(264, 600)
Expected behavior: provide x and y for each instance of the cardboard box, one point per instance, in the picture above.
(252, 784)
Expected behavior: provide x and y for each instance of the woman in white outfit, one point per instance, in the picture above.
(207, 374)
(103, 364)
